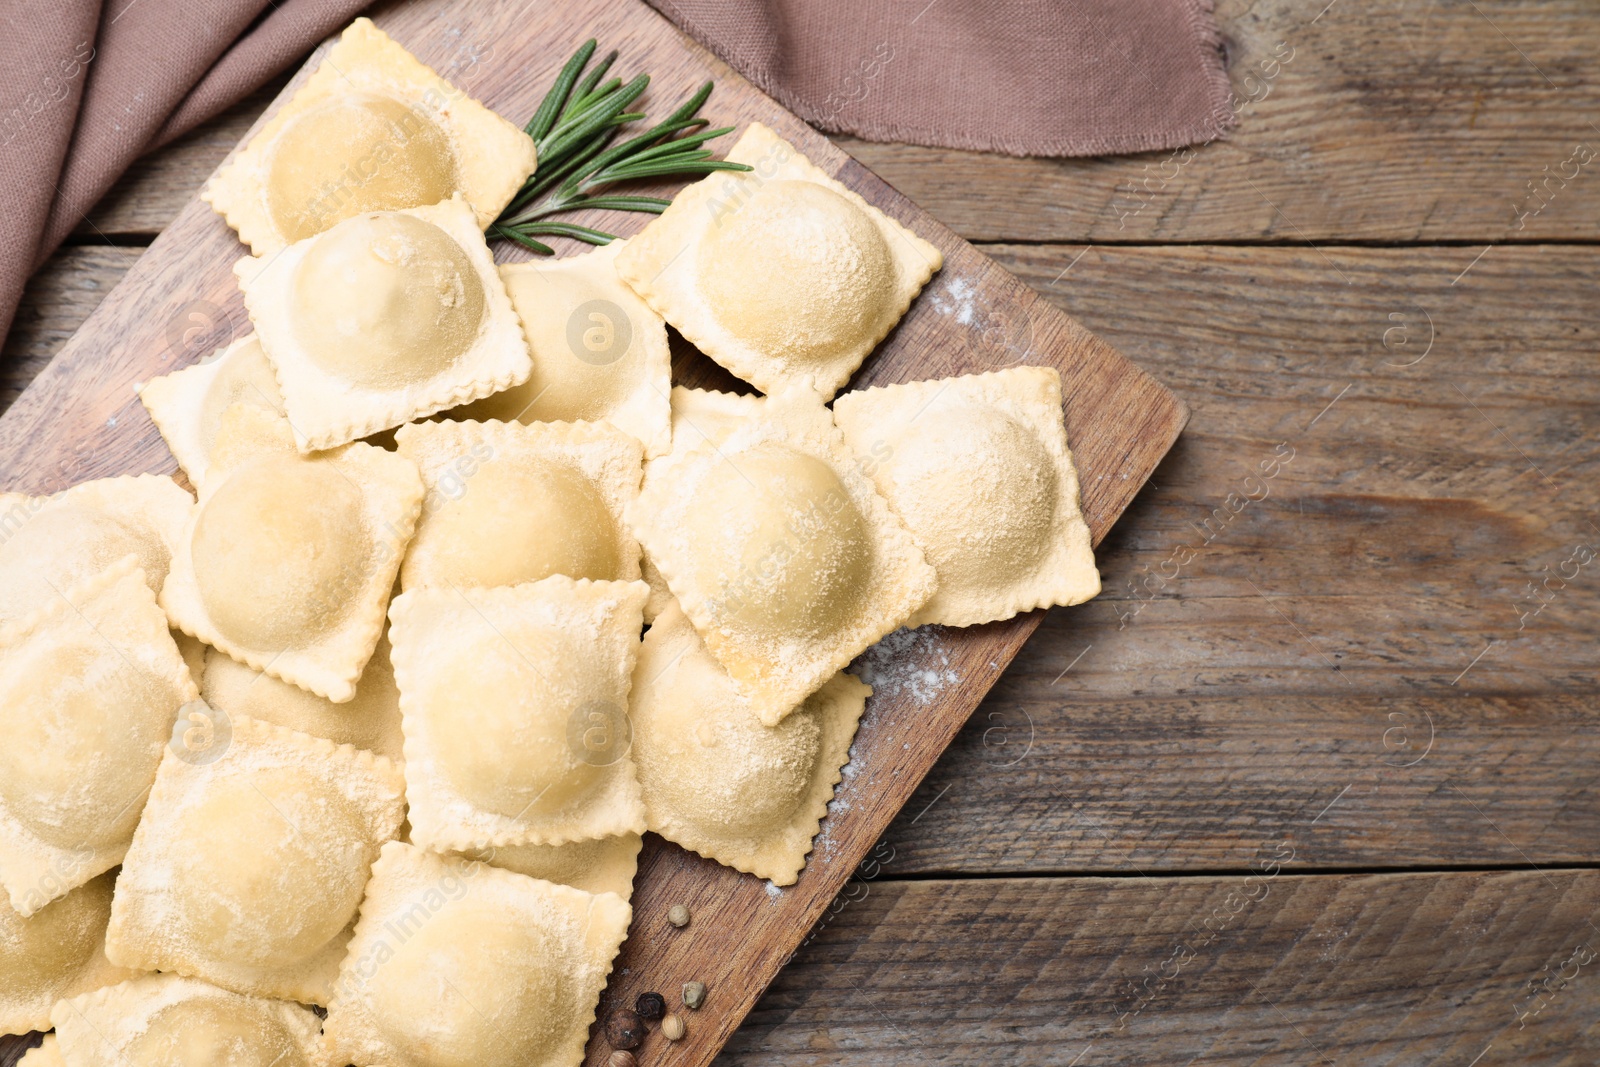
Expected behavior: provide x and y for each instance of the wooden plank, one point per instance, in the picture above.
(1043, 781)
(1398, 544)
(79, 419)
(1279, 969)
(1391, 122)
(1135, 794)
(1407, 970)
(54, 304)
(1401, 969)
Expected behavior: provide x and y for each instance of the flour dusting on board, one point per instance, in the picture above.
(957, 297)
(913, 662)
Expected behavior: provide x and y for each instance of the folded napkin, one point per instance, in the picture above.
(86, 87)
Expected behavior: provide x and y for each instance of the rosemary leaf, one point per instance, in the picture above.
(570, 229)
(556, 99)
(575, 130)
(527, 242)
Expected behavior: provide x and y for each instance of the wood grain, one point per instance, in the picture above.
(1392, 122)
(1113, 779)
(1407, 970)
(79, 419)
(56, 301)
(1043, 781)
(1399, 543)
(1388, 122)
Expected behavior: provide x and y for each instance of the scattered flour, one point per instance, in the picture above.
(956, 298)
(914, 662)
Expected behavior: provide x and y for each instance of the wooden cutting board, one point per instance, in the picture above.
(80, 419)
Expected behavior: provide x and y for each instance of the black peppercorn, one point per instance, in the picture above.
(650, 1006)
(624, 1029)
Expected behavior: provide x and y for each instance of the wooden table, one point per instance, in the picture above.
(1314, 780)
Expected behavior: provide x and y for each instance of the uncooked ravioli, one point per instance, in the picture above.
(187, 405)
(164, 1020)
(978, 468)
(269, 919)
(780, 552)
(509, 503)
(599, 352)
(514, 705)
(289, 560)
(89, 691)
(59, 951)
(780, 273)
(497, 969)
(372, 129)
(715, 778)
(386, 317)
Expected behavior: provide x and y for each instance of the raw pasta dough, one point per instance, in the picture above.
(699, 417)
(163, 1020)
(715, 779)
(509, 503)
(289, 560)
(89, 692)
(187, 405)
(57, 952)
(599, 352)
(780, 552)
(514, 702)
(385, 318)
(603, 865)
(372, 130)
(371, 721)
(248, 867)
(458, 964)
(979, 470)
(47, 544)
(779, 273)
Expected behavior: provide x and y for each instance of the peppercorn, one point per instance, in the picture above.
(694, 995)
(672, 1027)
(678, 916)
(650, 1006)
(622, 1059)
(624, 1029)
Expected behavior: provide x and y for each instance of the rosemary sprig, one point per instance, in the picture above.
(573, 130)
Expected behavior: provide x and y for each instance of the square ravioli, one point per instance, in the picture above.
(979, 470)
(778, 273)
(371, 721)
(780, 552)
(163, 1020)
(46, 1053)
(385, 318)
(509, 503)
(50, 543)
(373, 129)
(715, 779)
(603, 865)
(271, 918)
(187, 405)
(599, 352)
(699, 417)
(514, 703)
(59, 951)
(458, 964)
(289, 559)
(89, 693)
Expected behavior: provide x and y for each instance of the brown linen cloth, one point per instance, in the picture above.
(86, 86)
(1024, 77)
